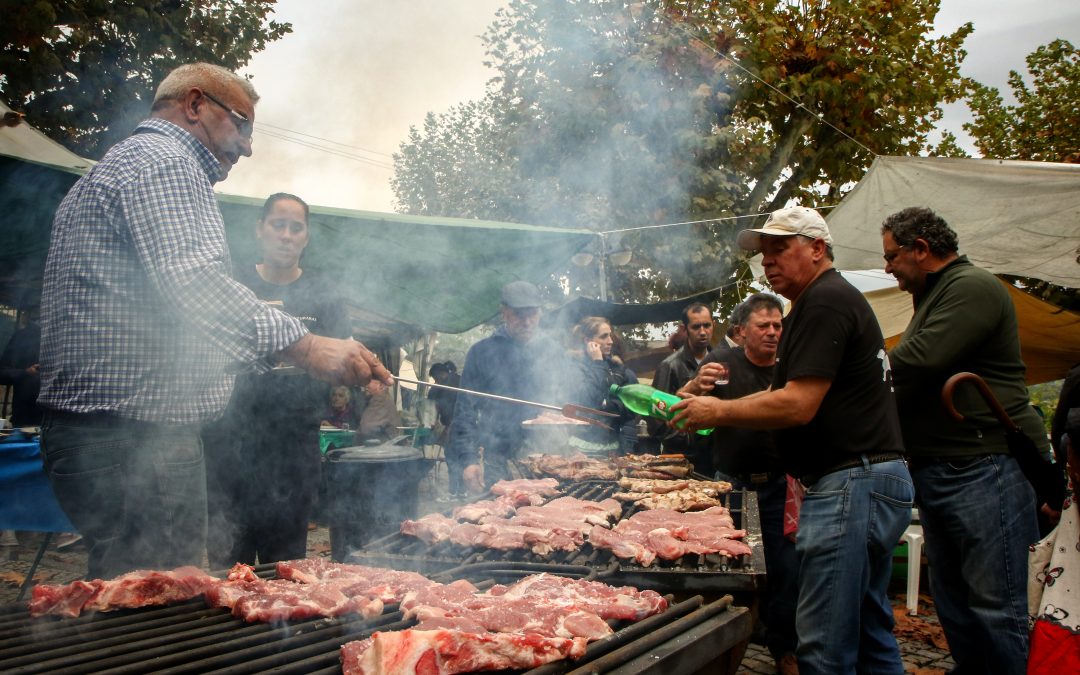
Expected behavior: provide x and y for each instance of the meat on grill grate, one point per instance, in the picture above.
(456, 625)
(134, 589)
(450, 651)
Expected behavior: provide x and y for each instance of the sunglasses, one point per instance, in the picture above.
(243, 125)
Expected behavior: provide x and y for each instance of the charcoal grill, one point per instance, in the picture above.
(191, 638)
(710, 574)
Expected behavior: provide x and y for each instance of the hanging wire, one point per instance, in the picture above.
(798, 104)
(700, 222)
(325, 140)
(332, 151)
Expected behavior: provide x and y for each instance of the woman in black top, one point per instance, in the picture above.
(262, 459)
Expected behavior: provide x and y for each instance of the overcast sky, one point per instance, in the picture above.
(354, 75)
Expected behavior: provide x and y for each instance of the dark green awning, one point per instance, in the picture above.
(440, 274)
(429, 274)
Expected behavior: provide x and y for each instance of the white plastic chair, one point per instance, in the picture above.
(913, 537)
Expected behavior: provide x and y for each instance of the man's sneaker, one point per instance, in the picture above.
(67, 540)
(7, 538)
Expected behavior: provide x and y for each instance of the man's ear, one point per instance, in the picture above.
(190, 104)
(920, 249)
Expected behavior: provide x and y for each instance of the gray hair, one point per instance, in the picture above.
(202, 76)
(918, 222)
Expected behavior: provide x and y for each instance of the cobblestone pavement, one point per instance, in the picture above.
(919, 654)
(62, 566)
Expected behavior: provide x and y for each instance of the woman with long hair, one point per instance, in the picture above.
(600, 367)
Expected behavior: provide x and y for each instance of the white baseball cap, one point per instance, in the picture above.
(797, 220)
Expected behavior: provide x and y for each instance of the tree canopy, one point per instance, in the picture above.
(1044, 125)
(617, 115)
(84, 71)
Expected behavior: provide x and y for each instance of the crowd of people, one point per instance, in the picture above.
(182, 396)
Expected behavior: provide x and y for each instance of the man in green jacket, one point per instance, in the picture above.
(976, 507)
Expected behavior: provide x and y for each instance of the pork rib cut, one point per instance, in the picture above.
(140, 588)
(445, 652)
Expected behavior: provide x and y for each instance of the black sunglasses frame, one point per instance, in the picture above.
(243, 125)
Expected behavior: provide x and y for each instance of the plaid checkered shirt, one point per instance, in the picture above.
(140, 316)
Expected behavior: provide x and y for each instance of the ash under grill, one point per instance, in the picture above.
(711, 573)
(191, 638)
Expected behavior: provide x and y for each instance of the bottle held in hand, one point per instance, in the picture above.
(646, 400)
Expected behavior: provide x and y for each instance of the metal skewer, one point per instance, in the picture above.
(570, 410)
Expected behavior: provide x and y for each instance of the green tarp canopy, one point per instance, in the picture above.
(400, 274)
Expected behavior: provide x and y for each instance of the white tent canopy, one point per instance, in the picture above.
(1015, 218)
(24, 142)
(1018, 218)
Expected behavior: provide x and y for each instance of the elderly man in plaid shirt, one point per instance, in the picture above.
(143, 329)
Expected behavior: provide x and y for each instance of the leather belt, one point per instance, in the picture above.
(856, 461)
(758, 479)
(918, 461)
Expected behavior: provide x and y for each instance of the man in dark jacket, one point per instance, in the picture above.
(976, 507)
(674, 372)
(516, 363)
(19, 369)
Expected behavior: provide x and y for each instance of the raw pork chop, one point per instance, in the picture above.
(445, 652)
(134, 589)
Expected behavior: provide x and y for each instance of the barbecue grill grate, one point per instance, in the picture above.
(191, 638)
(710, 574)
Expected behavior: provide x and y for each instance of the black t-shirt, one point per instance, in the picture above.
(315, 302)
(832, 333)
(739, 451)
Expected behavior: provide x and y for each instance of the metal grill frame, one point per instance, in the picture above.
(189, 637)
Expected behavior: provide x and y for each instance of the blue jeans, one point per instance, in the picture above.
(135, 491)
(978, 519)
(850, 523)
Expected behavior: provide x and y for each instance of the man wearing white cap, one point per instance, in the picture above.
(832, 406)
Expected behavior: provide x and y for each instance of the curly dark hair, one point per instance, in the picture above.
(919, 222)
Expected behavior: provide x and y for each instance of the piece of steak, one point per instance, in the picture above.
(609, 602)
(380, 582)
(432, 529)
(445, 652)
(629, 546)
(140, 588)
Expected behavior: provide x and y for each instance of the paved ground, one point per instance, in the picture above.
(921, 644)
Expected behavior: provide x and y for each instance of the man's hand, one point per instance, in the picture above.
(705, 380)
(336, 361)
(473, 475)
(32, 369)
(697, 412)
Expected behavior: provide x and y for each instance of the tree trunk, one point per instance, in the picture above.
(780, 157)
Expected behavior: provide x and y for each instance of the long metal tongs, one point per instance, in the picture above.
(571, 410)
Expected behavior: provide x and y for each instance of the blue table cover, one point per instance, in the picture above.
(27, 502)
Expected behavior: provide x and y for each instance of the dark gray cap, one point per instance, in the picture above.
(520, 295)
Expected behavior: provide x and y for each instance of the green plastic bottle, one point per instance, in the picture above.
(649, 401)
